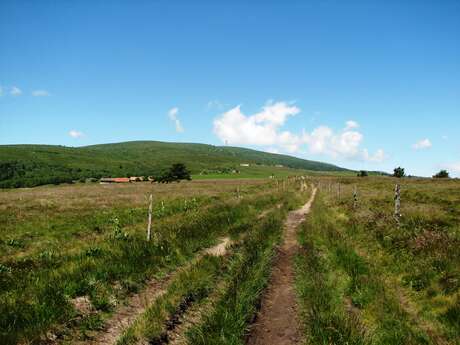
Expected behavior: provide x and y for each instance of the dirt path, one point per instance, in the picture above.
(277, 322)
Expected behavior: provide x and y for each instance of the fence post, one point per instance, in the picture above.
(397, 214)
(149, 226)
(355, 197)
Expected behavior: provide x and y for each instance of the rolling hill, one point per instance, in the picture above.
(32, 165)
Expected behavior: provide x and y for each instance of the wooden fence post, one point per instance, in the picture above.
(355, 197)
(397, 214)
(149, 226)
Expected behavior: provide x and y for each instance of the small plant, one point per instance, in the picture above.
(47, 255)
(14, 243)
(117, 231)
(93, 252)
(5, 269)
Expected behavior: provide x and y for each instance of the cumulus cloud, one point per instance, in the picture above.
(344, 144)
(15, 91)
(172, 113)
(260, 129)
(265, 129)
(40, 93)
(76, 134)
(422, 144)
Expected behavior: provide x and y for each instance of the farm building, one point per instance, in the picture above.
(244, 164)
(105, 180)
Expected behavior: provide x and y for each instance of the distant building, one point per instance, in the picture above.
(105, 180)
(279, 165)
(244, 164)
(136, 178)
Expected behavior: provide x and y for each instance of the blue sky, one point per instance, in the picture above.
(362, 84)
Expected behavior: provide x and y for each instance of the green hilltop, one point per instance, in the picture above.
(32, 165)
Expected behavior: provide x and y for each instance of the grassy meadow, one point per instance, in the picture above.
(362, 278)
(63, 243)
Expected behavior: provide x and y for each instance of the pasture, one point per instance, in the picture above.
(76, 267)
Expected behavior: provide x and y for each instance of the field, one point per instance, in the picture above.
(76, 267)
(73, 255)
(362, 278)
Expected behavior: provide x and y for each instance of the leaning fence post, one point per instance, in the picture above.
(355, 197)
(149, 226)
(397, 214)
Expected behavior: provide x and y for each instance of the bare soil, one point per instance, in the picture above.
(277, 323)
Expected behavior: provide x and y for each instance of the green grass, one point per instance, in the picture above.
(393, 284)
(63, 242)
(247, 276)
(190, 286)
(104, 255)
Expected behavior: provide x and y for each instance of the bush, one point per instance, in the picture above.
(177, 172)
(399, 172)
(442, 174)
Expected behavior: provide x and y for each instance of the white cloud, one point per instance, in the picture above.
(172, 113)
(345, 144)
(15, 91)
(422, 144)
(351, 125)
(76, 134)
(260, 129)
(264, 129)
(40, 93)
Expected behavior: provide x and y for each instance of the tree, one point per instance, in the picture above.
(180, 172)
(177, 172)
(399, 172)
(442, 174)
(362, 173)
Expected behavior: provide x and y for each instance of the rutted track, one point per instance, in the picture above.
(138, 303)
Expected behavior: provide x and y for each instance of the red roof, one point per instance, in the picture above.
(121, 179)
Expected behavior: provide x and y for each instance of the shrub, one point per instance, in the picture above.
(442, 174)
(399, 172)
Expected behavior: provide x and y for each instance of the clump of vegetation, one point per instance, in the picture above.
(176, 173)
(441, 174)
(362, 173)
(399, 172)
